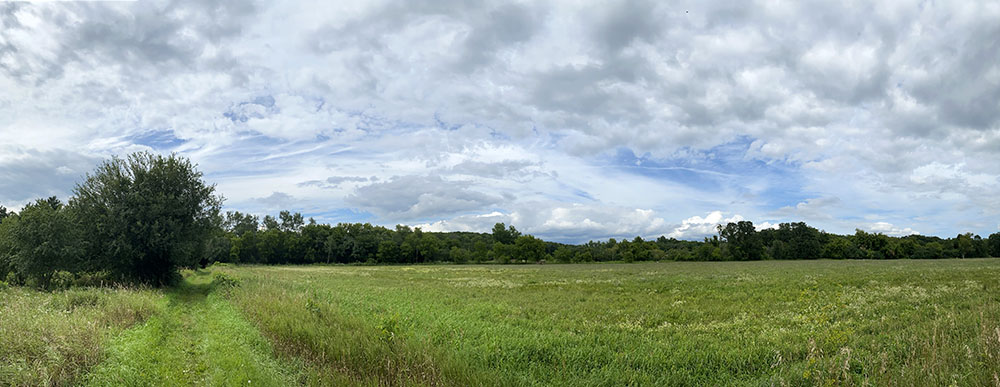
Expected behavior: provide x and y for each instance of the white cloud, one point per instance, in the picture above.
(889, 229)
(821, 112)
(698, 227)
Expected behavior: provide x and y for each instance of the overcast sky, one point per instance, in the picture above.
(571, 120)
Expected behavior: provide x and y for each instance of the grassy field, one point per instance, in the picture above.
(725, 323)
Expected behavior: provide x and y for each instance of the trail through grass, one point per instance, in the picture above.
(198, 340)
(725, 323)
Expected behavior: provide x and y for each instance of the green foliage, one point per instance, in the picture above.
(679, 255)
(994, 244)
(223, 280)
(505, 235)
(42, 240)
(842, 248)
(528, 248)
(965, 244)
(459, 255)
(145, 216)
(563, 255)
(742, 241)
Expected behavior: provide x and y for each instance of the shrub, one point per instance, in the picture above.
(223, 280)
(62, 280)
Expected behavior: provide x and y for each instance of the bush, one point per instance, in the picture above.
(223, 280)
(61, 280)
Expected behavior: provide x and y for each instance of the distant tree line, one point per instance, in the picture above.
(245, 238)
(141, 218)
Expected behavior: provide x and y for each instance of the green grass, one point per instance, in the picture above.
(751, 323)
(54, 338)
(694, 323)
(200, 339)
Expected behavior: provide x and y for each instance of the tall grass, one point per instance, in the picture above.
(749, 323)
(53, 338)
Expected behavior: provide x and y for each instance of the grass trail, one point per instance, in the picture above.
(200, 339)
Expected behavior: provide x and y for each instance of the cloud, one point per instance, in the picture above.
(811, 209)
(700, 227)
(336, 181)
(419, 197)
(889, 229)
(570, 115)
(276, 201)
(564, 223)
(26, 175)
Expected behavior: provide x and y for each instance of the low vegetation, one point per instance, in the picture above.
(902, 322)
(54, 338)
(780, 323)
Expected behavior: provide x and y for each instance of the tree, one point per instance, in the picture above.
(459, 255)
(4, 213)
(742, 240)
(563, 254)
(804, 241)
(994, 244)
(529, 248)
(240, 224)
(427, 248)
(874, 245)
(965, 245)
(479, 251)
(145, 216)
(291, 222)
(270, 223)
(43, 239)
(504, 235)
(929, 251)
(388, 252)
(841, 248)
(501, 252)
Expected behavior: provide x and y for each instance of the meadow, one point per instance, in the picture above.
(901, 322)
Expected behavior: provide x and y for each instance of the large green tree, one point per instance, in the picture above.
(505, 235)
(994, 244)
(742, 240)
(41, 240)
(146, 215)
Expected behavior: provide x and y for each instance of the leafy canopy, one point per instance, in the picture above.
(145, 216)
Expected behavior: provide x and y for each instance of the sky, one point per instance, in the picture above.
(571, 120)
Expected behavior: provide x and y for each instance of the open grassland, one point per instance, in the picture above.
(723, 323)
(752, 323)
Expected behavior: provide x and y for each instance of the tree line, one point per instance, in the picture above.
(140, 218)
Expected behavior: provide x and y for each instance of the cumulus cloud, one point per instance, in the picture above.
(826, 112)
(276, 201)
(419, 197)
(889, 229)
(700, 227)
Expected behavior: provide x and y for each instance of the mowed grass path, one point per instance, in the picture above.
(199, 339)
